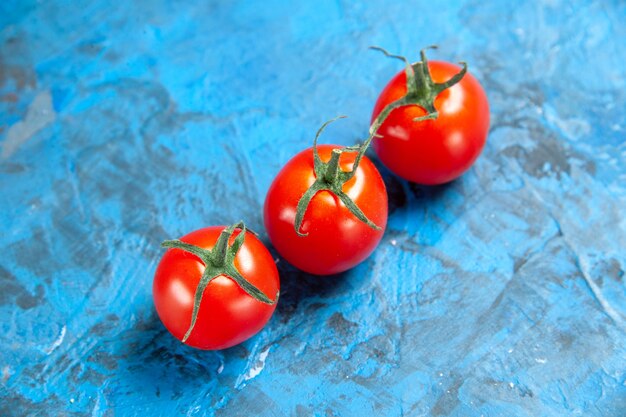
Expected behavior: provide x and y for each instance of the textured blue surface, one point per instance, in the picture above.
(125, 123)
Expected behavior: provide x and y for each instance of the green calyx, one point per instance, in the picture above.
(218, 261)
(330, 177)
(421, 90)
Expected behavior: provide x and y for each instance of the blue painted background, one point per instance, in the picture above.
(126, 123)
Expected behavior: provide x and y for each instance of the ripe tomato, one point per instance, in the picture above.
(332, 239)
(437, 150)
(216, 287)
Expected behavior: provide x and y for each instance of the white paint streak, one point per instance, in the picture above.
(258, 366)
(95, 412)
(40, 113)
(193, 411)
(6, 373)
(255, 370)
(597, 293)
(58, 341)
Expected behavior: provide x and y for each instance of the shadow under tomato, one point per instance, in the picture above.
(296, 287)
(403, 194)
(158, 365)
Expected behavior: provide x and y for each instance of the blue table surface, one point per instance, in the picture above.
(126, 123)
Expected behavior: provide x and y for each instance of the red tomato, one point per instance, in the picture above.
(335, 239)
(439, 150)
(227, 314)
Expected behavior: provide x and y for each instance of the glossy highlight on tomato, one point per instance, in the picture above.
(438, 150)
(335, 240)
(227, 314)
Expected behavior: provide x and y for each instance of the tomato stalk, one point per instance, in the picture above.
(421, 90)
(218, 261)
(330, 177)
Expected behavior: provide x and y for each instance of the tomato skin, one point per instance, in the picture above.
(433, 151)
(227, 314)
(336, 240)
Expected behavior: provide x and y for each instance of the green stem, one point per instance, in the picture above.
(382, 116)
(218, 254)
(332, 168)
(330, 177)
